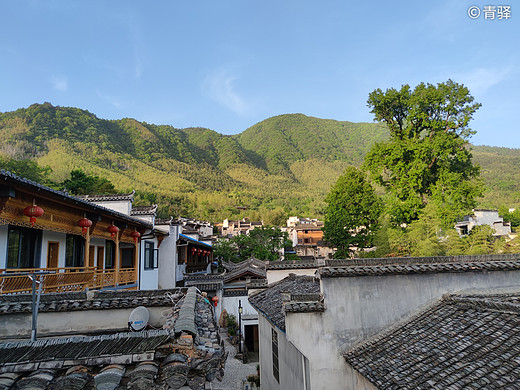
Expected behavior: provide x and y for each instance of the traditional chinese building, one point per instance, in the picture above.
(77, 243)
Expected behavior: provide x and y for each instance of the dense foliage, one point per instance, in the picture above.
(426, 158)
(352, 213)
(282, 166)
(264, 243)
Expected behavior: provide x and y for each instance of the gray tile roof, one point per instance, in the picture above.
(270, 303)
(109, 197)
(111, 299)
(419, 265)
(460, 342)
(7, 177)
(144, 210)
(186, 320)
(296, 264)
(82, 347)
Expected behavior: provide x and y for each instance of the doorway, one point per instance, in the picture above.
(53, 254)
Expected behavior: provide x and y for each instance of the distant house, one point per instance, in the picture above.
(307, 238)
(484, 217)
(353, 323)
(234, 228)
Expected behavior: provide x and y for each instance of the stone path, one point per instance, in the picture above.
(235, 372)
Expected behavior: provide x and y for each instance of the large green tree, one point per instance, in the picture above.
(427, 158)
(351, 214)
(263, 243)
(82, 184)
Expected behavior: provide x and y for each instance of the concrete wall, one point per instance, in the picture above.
(168, 259)
(291, 367)
(123, 206)
(18, 326)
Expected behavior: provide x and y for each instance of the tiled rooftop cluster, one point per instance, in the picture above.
(186, 352)
(97, 301)
(460, 342)
(271, 301)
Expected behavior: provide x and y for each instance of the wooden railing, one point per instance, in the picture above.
(17, 281)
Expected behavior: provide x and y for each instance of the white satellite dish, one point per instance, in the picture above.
(138, 318)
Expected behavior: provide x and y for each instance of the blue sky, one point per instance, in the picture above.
(228, 64)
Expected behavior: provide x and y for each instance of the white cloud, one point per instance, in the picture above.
(481, 80)
(220, 86)
(110, 99)
(59, 83)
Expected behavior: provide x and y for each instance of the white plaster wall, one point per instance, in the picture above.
(123, 207)
(3, 246)
(359, 307)
(61, 238)
(275, 275)
(73, 322)
(168, 259)
(290, 361)
(231, 306)
(148, 278)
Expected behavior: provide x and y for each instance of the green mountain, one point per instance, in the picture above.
(280, 166)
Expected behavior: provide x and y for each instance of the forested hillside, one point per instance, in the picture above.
(280, 166)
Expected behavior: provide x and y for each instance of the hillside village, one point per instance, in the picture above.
(395, 275)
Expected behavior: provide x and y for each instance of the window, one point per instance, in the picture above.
(110, 254)
(74, 251)
(276, 370)
(150, 255)
(24, 247)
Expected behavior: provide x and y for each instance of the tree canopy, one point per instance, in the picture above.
(351, 214)
(82, 184)
(263, 243)
(427, 158)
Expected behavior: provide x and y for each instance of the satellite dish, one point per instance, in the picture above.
(138, 318)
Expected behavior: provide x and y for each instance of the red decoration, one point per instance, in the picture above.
(33, 212)
(193, 250)
(135, 234)
(200, 251)
(215, 300)
(84, 223)
(112, 229)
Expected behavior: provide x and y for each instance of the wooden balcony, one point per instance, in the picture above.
(17, 281)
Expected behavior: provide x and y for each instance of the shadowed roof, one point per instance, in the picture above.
(470, 341)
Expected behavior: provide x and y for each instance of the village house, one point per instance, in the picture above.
(235, 228)
(484, 217)
(355, 306)
(307, 238)
(78, 244)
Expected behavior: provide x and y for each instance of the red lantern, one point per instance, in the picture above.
(215, 300)
(33, 212)
(84, 223)
(135, 234)
(200, 251)
(193, 250)
(112, 229)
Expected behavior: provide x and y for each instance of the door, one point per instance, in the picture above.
(52, 254)
(91, 256)
(100, 257)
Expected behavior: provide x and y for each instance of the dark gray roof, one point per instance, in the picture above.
(460, 342)
(82, 347)
(109, 197)
(185, 322)
(418, 265)
(7, 177)
(115, 299)
(270, 303)
(144, 210)
(251, 266)
(293, 264)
